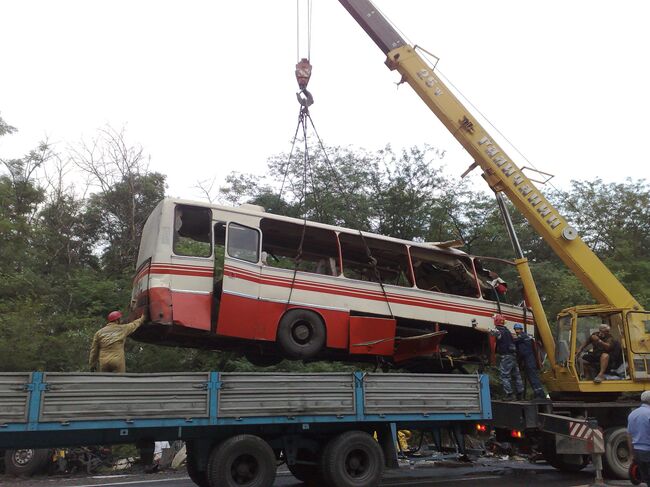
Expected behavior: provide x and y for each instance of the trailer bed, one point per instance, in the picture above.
(45, 409)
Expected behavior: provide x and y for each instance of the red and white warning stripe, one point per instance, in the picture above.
(598, 441)
(588, 433)
(580, 430)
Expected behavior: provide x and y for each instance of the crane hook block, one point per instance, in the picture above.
(305, 98)
(303, 73)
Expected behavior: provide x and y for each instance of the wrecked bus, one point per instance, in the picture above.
(268, 286)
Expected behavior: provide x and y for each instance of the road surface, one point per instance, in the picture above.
(485, 474)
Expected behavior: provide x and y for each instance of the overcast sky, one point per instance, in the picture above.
(207, 87)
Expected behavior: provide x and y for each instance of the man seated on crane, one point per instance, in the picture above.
(605, 353)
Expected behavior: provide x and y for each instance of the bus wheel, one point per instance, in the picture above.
(617, 457)
(242, 460)
(352, 459)
(301, 334)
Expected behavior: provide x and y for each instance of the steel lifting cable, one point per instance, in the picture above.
(372, 261)
(303, 73)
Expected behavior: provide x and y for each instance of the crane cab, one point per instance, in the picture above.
(578, 333)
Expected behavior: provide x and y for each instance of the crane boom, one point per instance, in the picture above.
(499, 170)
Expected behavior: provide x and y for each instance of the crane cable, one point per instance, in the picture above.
(305, 100)
(309, 17)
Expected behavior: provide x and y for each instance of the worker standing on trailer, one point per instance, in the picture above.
(107, 349)
(506, 351)
(526, 354)
(638, 428)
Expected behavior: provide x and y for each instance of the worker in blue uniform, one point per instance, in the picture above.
(638, 427)
(526, 356)
(507, 361)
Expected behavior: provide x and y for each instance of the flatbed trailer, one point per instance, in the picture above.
(238, 425)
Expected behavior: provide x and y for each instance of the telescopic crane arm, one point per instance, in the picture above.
(499, 170)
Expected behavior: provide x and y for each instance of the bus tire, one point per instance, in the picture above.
(242, 460)
(352, 459)
(26, 462)
(301, 334)
(617, 457)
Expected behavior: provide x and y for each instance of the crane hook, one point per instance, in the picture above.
(305, 98)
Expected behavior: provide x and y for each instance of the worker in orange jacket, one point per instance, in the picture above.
(108, 343)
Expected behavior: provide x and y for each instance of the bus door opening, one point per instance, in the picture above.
(219, 256)
(191, 267)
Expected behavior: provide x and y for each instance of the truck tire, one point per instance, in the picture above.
(564, 463)
(301, 334)
(26, 462)
(197, 476)
(617, 458)
(242, 460)
(352, 459)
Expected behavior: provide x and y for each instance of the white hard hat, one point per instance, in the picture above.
(645, 397)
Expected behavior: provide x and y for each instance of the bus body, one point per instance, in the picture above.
(231, 277)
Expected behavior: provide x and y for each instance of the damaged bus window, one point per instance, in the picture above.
(391, 260)
(192, 231)
(443, 272)
(281, 243)
(499, 280)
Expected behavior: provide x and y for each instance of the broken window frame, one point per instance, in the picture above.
(365, 271)
(176, 242)
(311, 259)
(465, 260)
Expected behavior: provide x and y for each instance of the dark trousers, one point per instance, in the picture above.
(642, 458)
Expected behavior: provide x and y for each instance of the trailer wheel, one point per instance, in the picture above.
(617, 457)
(565, 463)
(197, 476)
(243, 460)
(301, 333)
(352, 459)
(26, 462)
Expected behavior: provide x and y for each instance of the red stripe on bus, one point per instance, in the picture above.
(370, 295)
(361, 293)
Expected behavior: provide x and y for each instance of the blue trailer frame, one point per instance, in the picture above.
(37, 433)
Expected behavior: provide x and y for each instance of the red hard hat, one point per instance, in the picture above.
(499, 319)
(114, 316)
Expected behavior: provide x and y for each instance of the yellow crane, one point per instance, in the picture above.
(616, 306)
